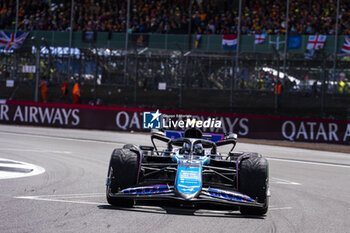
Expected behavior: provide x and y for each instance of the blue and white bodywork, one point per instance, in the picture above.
(188, 183)
(191, 170)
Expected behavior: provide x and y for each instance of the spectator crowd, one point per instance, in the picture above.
(172, 16)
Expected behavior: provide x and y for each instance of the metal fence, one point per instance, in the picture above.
(142, 69)
(198, 70)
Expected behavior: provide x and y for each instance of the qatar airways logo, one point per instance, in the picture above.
(315, 131)
(40, 115)
(157, 120)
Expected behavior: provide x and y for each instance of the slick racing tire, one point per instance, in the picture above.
(253, 178)
(122, 174)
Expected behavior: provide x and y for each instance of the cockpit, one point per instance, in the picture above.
(187, 149)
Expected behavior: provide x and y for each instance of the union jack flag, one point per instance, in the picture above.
(10, 41)
(345, 50)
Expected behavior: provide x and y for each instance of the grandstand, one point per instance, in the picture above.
(191, 48)
(208, 17)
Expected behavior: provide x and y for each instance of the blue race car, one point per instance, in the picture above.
(189, 171)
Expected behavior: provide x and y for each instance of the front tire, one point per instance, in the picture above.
(254, 182)
(122, 174)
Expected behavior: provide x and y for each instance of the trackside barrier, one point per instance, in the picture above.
(127, 119)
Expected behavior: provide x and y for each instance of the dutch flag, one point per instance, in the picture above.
(229, 42)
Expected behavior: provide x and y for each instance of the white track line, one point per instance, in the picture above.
(36, 150)
(114, 143)
(60, 138)
(309, 162)
(117, 143)
(60, 200)
(281, 181)
(281, 208)
(36, 170)
(77, 195)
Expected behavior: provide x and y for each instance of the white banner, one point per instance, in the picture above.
(28, 69)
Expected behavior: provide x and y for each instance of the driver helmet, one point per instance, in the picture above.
(198, 149)
(186, 148)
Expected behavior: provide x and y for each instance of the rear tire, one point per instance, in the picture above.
(122, 174)
(254, 182)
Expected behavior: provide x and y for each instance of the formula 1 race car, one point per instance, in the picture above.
(190, 172)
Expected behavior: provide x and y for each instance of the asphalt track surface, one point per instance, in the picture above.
(310, 189)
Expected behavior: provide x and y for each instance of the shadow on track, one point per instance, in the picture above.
(182, 211)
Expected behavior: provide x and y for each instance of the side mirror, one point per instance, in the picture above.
(228, 139)
(231, 136)
(157, 132)
(159, 135)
